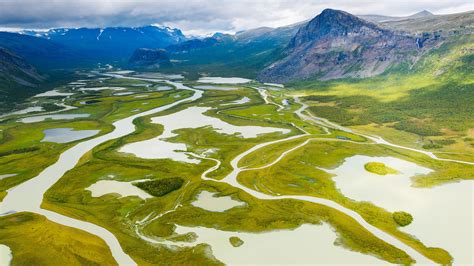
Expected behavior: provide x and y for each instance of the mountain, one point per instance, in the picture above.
(336, 44)
(198, 43)
(421, 14)
(15, 70)
(381, 18)
(42, 53)
(17, 77)
(149, 58)
(423, 22)
(244, 53)
(112, 43)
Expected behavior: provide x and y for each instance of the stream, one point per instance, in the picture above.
(28, 196)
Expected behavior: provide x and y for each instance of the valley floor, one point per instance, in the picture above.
(147, 168)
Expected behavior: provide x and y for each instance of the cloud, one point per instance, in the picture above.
(200, 16)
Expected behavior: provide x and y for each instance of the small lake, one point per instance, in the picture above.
(154, 75)
(103, 88)
(442, 215)
(3, 176)
(124, 189)
(161, 88)
(40, 118)
(53, 93)
(5, 255)
(24, 111)
(218, 88)
(65, 135)
(209, 201)
(192, 117)
(307, 244)
(124, 93)
(220, 80)
(121, 72)
(241, 101)
(274, 85)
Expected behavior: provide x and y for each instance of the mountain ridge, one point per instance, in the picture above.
(336, 44)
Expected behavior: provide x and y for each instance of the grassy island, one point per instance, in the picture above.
(236, 241)
(379, 168)
(161, 187)
(402, 218)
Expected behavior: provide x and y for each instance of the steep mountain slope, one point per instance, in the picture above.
(435, 97)
(41, 53)
(336, 44)
(15, 70)
(114, 43)
(17, 77)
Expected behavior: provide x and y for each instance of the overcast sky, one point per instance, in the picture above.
(200, 17)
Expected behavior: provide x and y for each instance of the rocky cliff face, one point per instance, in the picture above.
(14, 71)
(336, 44)
(149, 58)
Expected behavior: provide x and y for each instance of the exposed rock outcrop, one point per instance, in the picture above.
(336, 44)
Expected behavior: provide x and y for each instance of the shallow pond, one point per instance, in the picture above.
(24, 111)
(122, 72)
(5, 255)
(103, 88)
(41, 118)
(307, 244)
(218, 88)
(241, 101)
(124, 93)
(154, 75)
(442, 216)
(220, 80)
(209, 201)
(65, 135)
(124, 189)
(161, 88)
(3, 176)
(274, 85)
(192, 117)
(53, 93)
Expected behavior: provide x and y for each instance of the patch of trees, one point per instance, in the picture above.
(236, 241)
(402, 218)
(19, 151)
(161, 187)
(419, 128)
(449, 105)
(439, 143)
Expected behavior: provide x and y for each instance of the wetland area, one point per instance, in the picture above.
(170, 170)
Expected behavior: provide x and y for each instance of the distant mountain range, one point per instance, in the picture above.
(381, 19)
(114, 43)
(334, 44)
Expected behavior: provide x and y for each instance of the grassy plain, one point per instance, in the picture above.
(415, 105)
(34, 240)
(298, 173)
(119, 215)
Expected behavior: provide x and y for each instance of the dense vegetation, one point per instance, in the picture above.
(379, 168)
(402, 218)
(435, 94)
(161, 187)
(236, 241)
